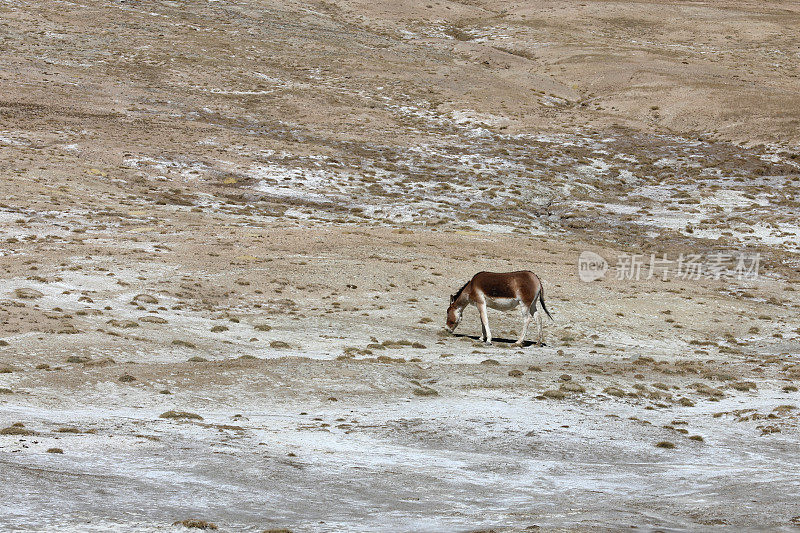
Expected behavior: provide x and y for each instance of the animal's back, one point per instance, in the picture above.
(507, 284)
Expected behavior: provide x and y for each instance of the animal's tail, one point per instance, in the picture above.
(541, 300)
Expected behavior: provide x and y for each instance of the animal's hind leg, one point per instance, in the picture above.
(526, 320)
(537, 316)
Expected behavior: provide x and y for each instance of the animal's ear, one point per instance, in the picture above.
(452, 298)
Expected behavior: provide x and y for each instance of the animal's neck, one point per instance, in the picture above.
(463, 300)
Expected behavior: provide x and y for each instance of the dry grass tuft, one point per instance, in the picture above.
(196, 524)
(180, 415)
(279, 344)
(185, 344)
(614, 391)
(17, 428)
(554, 394)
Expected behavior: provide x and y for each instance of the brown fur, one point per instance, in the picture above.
(500, 290)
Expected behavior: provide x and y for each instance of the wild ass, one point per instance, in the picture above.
(503, 291)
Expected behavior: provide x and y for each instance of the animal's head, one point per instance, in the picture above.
(453, 314)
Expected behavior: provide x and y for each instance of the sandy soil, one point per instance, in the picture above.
(228, 232)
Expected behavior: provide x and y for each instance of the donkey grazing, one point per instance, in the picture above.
(503, 291)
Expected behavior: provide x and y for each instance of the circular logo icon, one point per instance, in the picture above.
(591, 266)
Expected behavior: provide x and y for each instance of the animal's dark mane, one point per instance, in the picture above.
(458, 293)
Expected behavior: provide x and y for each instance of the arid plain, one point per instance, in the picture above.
(230, 230)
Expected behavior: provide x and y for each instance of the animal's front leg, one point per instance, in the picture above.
(485, 323)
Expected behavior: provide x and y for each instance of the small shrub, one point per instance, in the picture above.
(17, 429)
(185, 344)
(196, 524)
(614, 391)
(179, 415)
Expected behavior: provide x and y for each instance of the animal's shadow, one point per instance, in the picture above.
(525, 344)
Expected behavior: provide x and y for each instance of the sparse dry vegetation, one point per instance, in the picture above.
(257, 211)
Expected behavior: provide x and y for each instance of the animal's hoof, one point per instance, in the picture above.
(488, 343)
(516, 345)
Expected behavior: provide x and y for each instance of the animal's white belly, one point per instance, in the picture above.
(501, 304)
